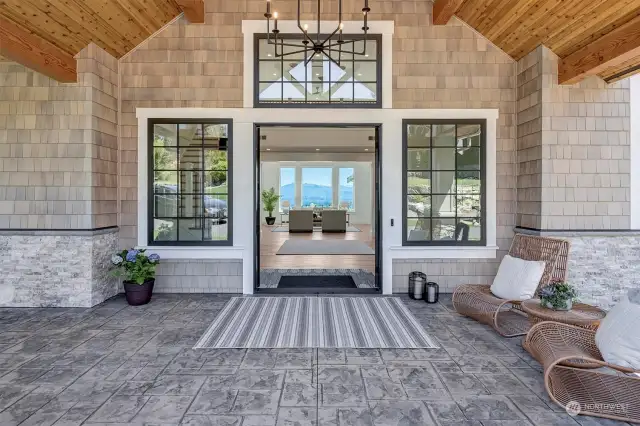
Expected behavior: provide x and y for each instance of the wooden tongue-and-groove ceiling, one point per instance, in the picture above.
(592, 37)
(46, 34)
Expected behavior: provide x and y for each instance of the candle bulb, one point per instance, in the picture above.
(275, 22)
(305, 27)
(268, 6)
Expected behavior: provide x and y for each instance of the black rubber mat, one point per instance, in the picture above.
(335, 281)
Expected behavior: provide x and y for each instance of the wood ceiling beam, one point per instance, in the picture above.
(33, 52)
(612, 49)
(193, 10)
(443, 10)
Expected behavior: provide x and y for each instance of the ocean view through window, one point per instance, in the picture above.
(317, 188)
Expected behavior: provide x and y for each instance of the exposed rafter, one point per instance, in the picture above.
(32, 51)
(443, 10)
(193, 10)
(611, 50)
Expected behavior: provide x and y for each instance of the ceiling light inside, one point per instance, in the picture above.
(317, 149)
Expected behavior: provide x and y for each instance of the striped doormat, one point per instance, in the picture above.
(315, 322)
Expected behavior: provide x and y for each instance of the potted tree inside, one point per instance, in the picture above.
(269, 201)
(139, 272)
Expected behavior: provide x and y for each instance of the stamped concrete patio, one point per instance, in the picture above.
(114, 364)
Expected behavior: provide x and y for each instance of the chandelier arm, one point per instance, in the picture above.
(277, 43)
(318, 37)
(298, 51)
(306, 62)
(331, 47)
(304, 33)
(330, 58)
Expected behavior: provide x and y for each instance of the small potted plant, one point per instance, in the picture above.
(139, 272)
(558, 296)
(269, 201)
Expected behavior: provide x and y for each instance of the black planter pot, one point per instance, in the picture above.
(138, 294)
(270, 220)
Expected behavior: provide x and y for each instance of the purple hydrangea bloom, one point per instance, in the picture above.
(153, 257)
(547, 292)
(131, 255)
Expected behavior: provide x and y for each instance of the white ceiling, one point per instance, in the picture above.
(316, 139)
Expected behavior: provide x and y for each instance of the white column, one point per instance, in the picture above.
(244, 228)
(635, 151)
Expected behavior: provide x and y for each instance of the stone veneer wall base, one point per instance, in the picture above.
(57, 268)
(603, 265)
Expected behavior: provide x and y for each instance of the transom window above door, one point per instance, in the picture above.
(352, 81)
(444, 182)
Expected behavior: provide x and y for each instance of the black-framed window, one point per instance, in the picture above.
(190, 167)
(444, 182)
(286, 82)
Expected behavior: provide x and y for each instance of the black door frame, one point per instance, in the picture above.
(378, 205)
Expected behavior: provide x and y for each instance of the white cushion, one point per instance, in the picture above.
(517, 279)
(618, 336)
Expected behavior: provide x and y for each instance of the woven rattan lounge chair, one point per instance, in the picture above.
(506, 316)
(573, 373)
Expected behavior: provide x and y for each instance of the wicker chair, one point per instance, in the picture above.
(573, 372)
(506, 316)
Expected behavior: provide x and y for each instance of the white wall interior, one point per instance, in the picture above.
(364, 204)
(244, 121)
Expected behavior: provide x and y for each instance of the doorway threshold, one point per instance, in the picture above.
(319, 291)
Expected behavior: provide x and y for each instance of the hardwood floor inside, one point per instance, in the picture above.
(270, 243)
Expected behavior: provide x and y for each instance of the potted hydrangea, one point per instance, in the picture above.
(139, 271)
(558, 296)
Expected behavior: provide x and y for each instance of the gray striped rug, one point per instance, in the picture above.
(315, 322)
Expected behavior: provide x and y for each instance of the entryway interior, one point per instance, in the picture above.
(321, 234)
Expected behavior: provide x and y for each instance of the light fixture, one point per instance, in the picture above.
(268, 149)
(366, 149)
(317, 149)
(325, 45)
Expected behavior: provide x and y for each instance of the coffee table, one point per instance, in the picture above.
(581, 315)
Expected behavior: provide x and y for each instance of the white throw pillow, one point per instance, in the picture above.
(618, 336)
(517, 279)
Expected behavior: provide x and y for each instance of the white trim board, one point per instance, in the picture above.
(634, 82)
(391, 154)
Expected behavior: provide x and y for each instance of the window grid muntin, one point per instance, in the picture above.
(318, 104)
(203, 146)
(481, 194)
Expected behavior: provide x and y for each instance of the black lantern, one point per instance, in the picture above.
(432, 292)
(417, 281)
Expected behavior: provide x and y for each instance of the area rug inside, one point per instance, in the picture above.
(315, 322)
(315, 247)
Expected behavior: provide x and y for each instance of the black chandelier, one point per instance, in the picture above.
(321, 45)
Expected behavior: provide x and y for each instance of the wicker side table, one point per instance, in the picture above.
(581, 315)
